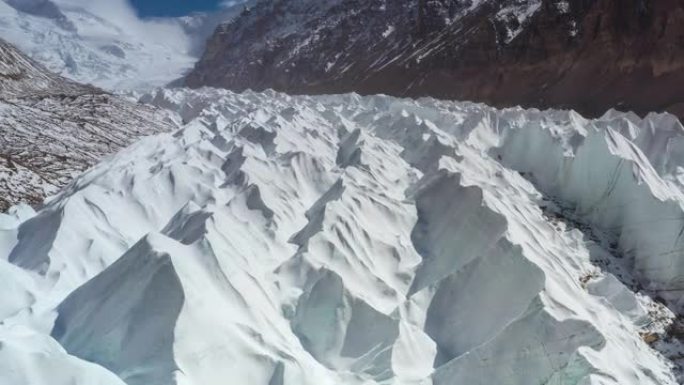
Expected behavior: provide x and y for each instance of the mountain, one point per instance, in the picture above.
(52, 128)
(204, 237)
(200, 26)
(590, 56)
(105, 43)
(22, 77)
(298, 240)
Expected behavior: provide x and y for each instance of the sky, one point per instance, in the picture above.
(153, 8)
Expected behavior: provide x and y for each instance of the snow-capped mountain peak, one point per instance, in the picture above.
(104, 42)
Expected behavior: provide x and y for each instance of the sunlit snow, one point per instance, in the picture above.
(353, 240)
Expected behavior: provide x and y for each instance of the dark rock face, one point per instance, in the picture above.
(624, 54)
(590, 55)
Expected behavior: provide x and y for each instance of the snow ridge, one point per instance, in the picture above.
(362, 240)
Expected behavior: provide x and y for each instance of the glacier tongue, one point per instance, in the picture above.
(284, 240)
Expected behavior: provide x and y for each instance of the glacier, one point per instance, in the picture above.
(105, 43)
(345, 239)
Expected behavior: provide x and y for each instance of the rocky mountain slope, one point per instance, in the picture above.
(357, 240)
(587, 55)
(51, 128)
(22, 77)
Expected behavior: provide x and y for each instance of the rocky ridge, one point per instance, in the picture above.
(590, 56)
(51, 128)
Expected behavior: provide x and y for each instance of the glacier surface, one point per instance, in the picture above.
(293, 240)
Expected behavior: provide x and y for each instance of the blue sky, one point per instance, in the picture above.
(147, 8)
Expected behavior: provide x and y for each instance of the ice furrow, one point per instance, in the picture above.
(294, 240)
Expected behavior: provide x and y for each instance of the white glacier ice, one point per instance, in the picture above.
(293, 240)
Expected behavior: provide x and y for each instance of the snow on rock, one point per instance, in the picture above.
(514, 16)
(105, 43)
(22, 76)
(51, 128)
(362, 240)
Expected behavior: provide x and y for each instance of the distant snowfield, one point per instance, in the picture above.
(100, 42)
(353, 240)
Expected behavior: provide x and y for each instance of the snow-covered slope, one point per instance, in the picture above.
(362, 240)
(21, 77)
(104, 43)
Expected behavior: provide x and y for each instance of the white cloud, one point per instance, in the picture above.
(122, 15)
(231, 3)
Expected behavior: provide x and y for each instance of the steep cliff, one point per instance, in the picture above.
(581, 54)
